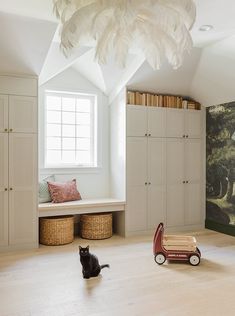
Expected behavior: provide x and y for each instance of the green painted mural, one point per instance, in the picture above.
(220, 149)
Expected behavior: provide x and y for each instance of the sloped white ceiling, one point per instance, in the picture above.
(166, 79)
(214, 78)
(38, 9)
(207, 74)
(24, 43)
(219, 14)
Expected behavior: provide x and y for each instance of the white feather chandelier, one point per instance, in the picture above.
(157, 28)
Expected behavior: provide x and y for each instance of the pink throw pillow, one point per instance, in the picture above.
(63, 192)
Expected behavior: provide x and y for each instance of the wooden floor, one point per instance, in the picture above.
(48, 281)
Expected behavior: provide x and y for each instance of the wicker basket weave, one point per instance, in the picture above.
(55, 231)
(96, 226)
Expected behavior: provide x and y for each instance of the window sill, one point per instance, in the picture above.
(75, 170)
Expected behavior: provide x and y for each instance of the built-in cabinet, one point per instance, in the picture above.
(164, 167)
(18, 170)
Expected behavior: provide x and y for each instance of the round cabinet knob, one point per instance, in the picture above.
(183, 181)
(186, 136)
(145, 134)
(11, 189)
(186, 181)
(11, 129)
(5, 189)
(145, 183)
(149, 183)
(183, 136)
(5, 130)
(149, 134)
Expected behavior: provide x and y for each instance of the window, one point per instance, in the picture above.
(70, 130)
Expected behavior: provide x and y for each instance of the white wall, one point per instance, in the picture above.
(118, 146)
(213, 82)
(91, 183)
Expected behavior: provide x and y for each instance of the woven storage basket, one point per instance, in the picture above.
(96, 226)
(55, 231)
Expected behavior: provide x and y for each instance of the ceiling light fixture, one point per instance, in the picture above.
(205, 28)
(157, 28)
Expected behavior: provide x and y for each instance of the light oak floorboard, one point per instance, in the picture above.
(48, 281)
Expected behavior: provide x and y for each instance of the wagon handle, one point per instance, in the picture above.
(158, 236)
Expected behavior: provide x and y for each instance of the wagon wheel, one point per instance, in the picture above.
(160, 258)
(194, 260)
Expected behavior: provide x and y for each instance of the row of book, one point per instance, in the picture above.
(159, 100)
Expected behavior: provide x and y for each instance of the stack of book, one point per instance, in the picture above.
(159, 100)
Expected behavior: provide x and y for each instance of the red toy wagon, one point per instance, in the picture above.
(173, 247)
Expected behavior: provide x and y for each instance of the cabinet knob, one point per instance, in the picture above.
(149, 183)
(10, 129)
(183, 181)
(11, 189)
(186, 181)
(5, 130)
(186, 136)
(5, 189)
(146, 134)
(145, 183)
(149, 134)
(183, 136)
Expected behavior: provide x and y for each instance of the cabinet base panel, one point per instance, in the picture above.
(19, 247)
(177, 229)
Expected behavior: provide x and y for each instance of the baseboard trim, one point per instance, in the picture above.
(20, 247)
(225, 229)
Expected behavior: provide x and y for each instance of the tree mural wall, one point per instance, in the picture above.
(220, 150)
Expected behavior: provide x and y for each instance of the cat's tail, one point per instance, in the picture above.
(104, 266)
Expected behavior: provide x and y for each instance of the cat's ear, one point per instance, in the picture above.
(80, 247)
(87, 247)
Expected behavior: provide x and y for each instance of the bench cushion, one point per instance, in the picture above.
(81, 207)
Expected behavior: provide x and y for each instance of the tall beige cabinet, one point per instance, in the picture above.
(18, 162)
(164, 168)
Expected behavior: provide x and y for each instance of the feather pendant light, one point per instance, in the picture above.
(157, 28)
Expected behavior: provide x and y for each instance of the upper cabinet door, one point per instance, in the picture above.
(22, 114)
(136, 120)
(136, 161)
(156, 122)
(175, 123)
(193, 123)
(3, 113)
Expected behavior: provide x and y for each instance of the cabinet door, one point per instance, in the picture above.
(175, 123)
(23, 114)
(136, 120)
(23, 188)
(3, 187)
(3, 113)
(156, 182)
(136, 160)
(136, 212)
(156, 121)
(193, 123)
(136, 209)
(193, 176)
(175, 182)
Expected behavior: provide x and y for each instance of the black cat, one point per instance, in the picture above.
(90, 263)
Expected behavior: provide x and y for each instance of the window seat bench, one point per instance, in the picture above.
(86, 206)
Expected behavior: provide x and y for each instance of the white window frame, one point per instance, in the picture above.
(64, 168)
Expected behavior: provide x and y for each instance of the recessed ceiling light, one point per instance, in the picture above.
(205, 28)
